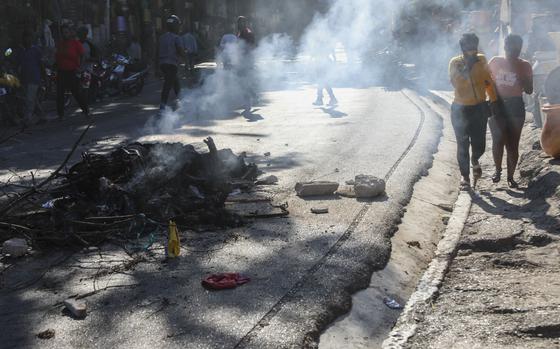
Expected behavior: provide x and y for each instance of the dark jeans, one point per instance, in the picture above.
(68, 81)
(470, 124)
(170, 81)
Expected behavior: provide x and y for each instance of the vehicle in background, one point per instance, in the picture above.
(117, 76)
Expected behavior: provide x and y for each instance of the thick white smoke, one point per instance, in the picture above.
(341, 47)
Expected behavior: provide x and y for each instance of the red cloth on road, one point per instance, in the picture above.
(224, 281)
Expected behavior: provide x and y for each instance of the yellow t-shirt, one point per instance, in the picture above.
(471, 88)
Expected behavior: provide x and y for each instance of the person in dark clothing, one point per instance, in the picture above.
(247, 40)
(169, 51)
(69, 53)
(245, 33)
(30, 66)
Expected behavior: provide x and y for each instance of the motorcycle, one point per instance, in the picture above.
(11, 101)
(116, 77)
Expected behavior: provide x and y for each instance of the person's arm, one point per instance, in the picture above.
(454, 73)
(527, 79)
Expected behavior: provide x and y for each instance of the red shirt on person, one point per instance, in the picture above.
(509, 75)
(68, 54)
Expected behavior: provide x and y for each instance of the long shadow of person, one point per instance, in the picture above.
(537, 209)
(251, 116)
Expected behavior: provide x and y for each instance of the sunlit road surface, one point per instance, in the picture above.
(300, 266)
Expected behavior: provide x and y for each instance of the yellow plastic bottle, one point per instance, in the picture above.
(173, 241)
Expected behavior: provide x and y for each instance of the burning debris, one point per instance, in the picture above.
(129, 189)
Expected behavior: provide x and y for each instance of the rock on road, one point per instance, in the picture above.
(303, 267)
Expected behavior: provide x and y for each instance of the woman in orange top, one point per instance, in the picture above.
(512, 77)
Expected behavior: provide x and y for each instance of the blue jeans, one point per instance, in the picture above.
(470, 124)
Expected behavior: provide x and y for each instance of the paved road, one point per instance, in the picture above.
(303, 267)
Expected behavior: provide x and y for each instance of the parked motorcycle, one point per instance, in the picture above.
(116, 77)
(11, 101)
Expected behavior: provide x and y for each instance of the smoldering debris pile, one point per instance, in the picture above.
(123, 192)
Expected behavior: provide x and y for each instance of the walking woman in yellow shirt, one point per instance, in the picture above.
(470, 111)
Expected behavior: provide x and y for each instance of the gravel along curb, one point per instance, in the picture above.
(430, 283)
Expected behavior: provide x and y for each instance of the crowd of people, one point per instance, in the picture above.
(502, 81)
(234, 51)
(75, 54)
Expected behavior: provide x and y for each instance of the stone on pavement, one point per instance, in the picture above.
(367, 187)
(304, 189)
(76, 307)
(15, 247)
(320, 210)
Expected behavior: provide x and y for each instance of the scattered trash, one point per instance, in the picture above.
(269, 180)
(46, 334)
(304, 189)
(322, 210)
(173, 242)
(51, 203)
(414, 244)
(368, 187)
(392, 304)
(15, 247)
(224, 281)
(76, 307)
(267, 154)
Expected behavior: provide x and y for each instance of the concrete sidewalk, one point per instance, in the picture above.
(502, 289)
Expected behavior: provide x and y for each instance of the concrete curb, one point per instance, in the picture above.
(430, 283)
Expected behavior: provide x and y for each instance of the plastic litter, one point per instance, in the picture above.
(392, 304)
(224, 281)
(173, 243)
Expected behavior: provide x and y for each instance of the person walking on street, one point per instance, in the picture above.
(247, 42)
(169, 51)
(473, 83)
(325, 59)
(512, 76)
(69, 52)
(30, 68)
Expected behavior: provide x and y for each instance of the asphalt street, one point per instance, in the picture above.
(303, 268)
